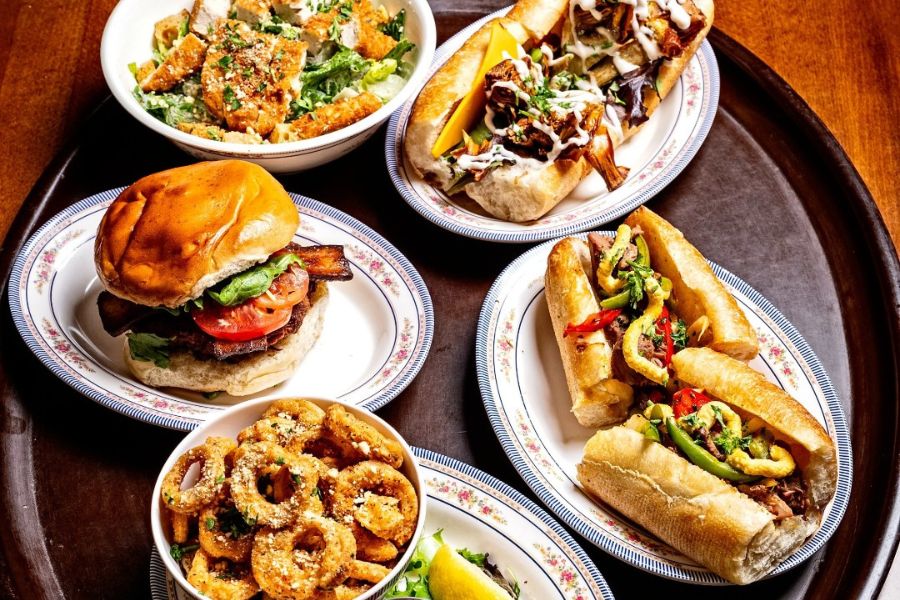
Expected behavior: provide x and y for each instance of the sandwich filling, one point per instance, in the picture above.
(635, 318)
(248, 313)
(571, 98)
(714, 436)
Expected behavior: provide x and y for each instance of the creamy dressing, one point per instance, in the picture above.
(584, 95)
(679, 16)
(642, 34)
(482, 161)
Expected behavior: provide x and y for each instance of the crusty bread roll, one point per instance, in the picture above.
(597, 398)
(737, 384)
(697, 292)
(529, 189)
(694, 511)
(173, 234)
(246, 376)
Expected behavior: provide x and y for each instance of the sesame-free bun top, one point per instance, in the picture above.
(173, 234)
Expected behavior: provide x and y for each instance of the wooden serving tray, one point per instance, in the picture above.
(771, 197)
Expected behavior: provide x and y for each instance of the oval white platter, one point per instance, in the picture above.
(481, 513)
(377, 331)
(520, 374)
(656, 154)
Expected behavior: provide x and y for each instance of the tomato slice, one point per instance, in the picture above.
(256, 317)
(688, 400)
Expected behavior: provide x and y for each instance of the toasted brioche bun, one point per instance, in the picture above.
(691, 509)
(173, 234)
(452, 577)
(243, 377)
(598, 399)
(697, 292)
(524, 191)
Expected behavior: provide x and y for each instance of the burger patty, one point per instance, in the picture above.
(184, 334)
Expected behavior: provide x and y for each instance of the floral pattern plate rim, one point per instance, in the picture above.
(656, 155)
(519, 370)
(478, 511)
(386, 309)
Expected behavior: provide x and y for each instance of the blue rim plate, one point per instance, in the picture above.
(480, 512)
(385, 309)
(524, 391)
(656, 155)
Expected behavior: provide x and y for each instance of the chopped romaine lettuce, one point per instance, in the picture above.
(173, 107)
(396, 27)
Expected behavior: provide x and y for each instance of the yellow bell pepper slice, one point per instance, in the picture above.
(470, 107)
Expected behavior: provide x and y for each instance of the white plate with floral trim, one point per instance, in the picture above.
(481, 513)
(524, 390)
(655, 155)
(377, 331)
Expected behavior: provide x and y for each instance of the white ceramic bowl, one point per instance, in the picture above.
(127, 38)
(236, 418)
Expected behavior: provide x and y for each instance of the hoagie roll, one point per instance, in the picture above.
(623, 307)
(740, 511)
(533, 102)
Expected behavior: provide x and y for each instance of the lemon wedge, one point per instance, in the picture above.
(452, 577)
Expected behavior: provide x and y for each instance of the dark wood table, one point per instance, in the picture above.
(770, 196)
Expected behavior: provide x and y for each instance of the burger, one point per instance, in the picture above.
(203, 278)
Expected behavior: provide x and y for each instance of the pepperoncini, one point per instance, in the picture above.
(656, 297)
(609, 284)
(779, 464)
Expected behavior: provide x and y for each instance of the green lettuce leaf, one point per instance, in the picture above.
(150, 348)
(254, 281)
(414, 580)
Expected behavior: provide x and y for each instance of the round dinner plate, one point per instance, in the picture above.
(481, 513)
(655, 155)
(377, 331)
(521, 377)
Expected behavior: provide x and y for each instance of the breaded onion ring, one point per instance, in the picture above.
(367, 571)
(299, 410)
(223, 532)
(343, 592)
(295, 561)
(379, 498)
(181, 525)
(211, 456)
(254, 461)
(370, 547)
(360, 440)
(285, 432)
(220, 579)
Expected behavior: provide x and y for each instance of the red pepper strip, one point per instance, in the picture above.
(594, 322)
(665, 323)
(688, 400)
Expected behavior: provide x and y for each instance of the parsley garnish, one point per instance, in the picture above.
(230, 100)
(679, 335)
(225, 62)
(728, 441)
(177, 551)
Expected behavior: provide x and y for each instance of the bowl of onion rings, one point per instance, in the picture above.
(296, 498)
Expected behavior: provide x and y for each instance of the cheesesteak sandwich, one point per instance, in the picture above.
(730, 470)
(204, 279)
(534, 101)
(623, 307)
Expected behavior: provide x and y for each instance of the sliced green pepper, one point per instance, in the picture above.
(620, 300)
(702, 458)
(643, 257)
(651, 432)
